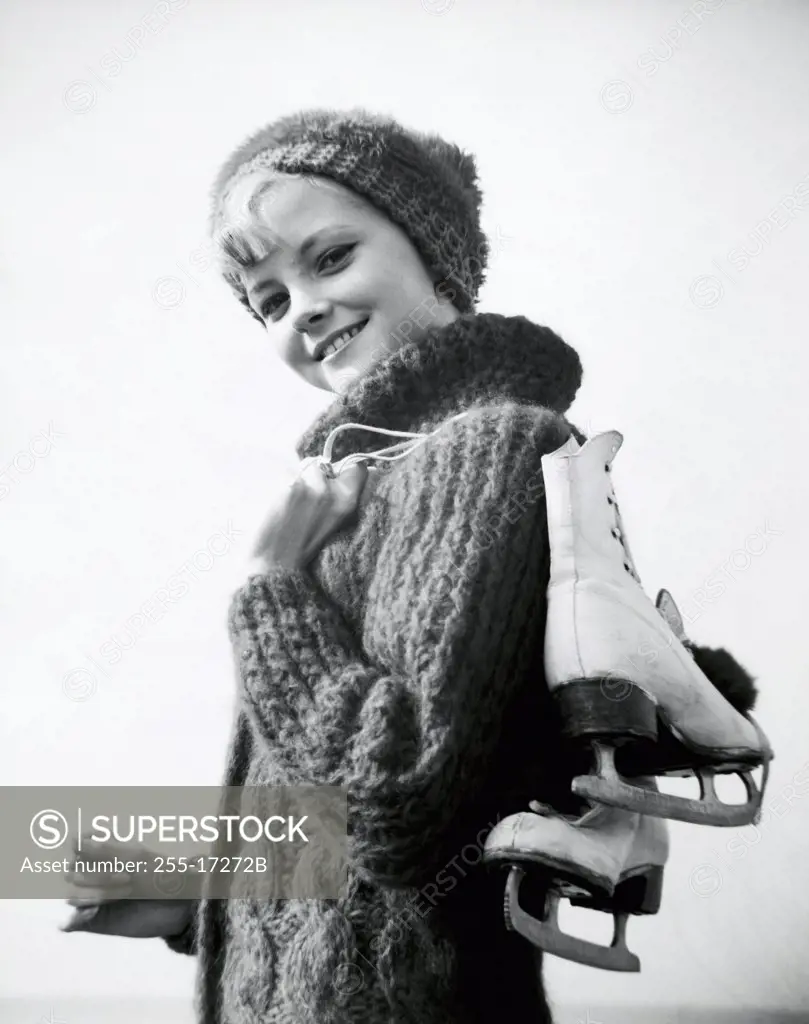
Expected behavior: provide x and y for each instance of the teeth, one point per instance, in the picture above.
(342, 340)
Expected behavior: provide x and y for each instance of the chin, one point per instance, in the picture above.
(340, 379)
(372, 350)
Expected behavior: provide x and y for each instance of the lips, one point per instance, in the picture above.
(320, 352)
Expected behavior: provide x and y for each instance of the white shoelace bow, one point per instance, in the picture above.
(389, 454)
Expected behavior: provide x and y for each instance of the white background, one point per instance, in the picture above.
(623, 177)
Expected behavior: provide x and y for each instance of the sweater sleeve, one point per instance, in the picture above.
(407, 717)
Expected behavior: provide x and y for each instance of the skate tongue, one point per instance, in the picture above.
(592, 816)
(671, 613)
(550, 812)
(544, 809)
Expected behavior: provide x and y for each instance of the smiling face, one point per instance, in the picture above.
(316, 260)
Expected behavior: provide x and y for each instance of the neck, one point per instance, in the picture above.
(477, 359)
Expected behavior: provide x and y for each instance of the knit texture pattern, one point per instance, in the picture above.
(403, 664)
(421, 182)
(406, 664)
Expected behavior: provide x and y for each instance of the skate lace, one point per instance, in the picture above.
(618, 530)
(390, 454)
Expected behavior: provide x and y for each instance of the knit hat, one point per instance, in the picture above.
(421, 182)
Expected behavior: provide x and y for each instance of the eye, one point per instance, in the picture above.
(330, 259)
(270, 305)
(327, 261)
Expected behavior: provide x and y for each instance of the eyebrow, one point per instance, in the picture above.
(239, 248)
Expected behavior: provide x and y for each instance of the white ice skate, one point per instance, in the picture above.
(621, 676)
(609, 859)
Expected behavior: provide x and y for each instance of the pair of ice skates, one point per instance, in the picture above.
(627, 685)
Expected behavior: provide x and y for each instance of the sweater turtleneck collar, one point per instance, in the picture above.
(478, 359)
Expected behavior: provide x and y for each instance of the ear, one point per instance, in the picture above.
(671, 613)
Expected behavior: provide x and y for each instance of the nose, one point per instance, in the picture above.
(312, 313)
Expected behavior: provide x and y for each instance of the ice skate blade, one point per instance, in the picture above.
(546, 935)
(606, 786)
(707, 810)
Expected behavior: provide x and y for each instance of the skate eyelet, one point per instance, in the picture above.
(610, 501)
(606, 467)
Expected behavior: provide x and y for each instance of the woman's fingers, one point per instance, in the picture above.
(119, 881)
(80, 920)
(93, 850)
(75, 876)
(352, 480)
(98, 890)
(90, 893)
(311, 479)
(340, 503)
(293, 520)
(92, 901)
(315, 507)
(100, 884)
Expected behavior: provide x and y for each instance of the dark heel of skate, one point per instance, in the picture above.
(610, 709)
(606, 714)
(639, 894)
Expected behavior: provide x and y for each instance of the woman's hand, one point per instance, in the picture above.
(313, 509)
(101, 910)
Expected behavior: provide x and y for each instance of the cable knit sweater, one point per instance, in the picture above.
(405, 663)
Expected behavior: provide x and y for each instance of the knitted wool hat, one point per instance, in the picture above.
(424, 184)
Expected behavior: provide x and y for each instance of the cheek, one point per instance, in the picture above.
(288, 348)
(391, 268)
(406, 289)
(371, 275)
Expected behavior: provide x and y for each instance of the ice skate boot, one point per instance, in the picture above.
(620, 675)
(609, 859)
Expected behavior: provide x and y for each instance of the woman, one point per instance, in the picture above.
(393, 643)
